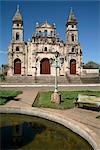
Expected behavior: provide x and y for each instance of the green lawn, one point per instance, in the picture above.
(6, 95)
(67, 99)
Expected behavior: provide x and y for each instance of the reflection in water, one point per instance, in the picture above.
(32, 133)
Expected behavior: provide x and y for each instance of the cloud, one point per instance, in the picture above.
(3, 52)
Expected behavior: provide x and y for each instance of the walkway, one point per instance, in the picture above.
(83, 116)
(48, 85)
(25, 99)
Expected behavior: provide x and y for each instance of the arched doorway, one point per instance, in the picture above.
(17, 66)
(44, 66)
(72, 66)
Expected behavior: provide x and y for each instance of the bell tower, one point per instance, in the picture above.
(71, 32)
(17, 49)
(73, 49)
(17, 28)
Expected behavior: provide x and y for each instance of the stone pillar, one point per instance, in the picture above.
(56, 98)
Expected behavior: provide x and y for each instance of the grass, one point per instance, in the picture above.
(6, 95)
(67, 99)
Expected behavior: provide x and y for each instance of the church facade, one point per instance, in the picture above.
(37, 56)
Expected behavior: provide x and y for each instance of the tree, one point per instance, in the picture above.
(91, 65)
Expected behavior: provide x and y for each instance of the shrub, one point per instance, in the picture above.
(2, 77)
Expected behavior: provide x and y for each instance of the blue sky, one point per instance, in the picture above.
(86, 12)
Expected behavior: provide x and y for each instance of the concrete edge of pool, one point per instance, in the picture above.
(75, 126)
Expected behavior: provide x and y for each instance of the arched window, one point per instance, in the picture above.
(72, 37)
(72, 49)
(45, 33)
(45, 49)
(80, 51)
(17, 48)
(39, 33)
(17, 36)
(51, 33)
(72, 26)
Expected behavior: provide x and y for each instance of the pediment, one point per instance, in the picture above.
(46, 24)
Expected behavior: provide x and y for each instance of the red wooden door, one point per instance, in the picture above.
(73, 67)
(45, 66)
(17, 66)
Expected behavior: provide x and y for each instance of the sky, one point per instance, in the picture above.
(86, 12)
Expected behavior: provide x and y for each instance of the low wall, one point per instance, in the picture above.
(90, 71)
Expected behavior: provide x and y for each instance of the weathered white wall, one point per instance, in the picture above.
(91, 71)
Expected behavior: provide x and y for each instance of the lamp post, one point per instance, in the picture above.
(56, 66)
(55, 97)
(35, 67)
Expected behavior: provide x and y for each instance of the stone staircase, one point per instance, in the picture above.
(51, 79)
(47, 79)
(20, 80)
(74, 79)
(90, 80)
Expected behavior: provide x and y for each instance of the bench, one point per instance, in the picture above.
(88, 102)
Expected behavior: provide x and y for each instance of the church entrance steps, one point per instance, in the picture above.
(44, 79)
(51, 79)
(90, 80)
(20, 79)
(47, 79)
(74, 79)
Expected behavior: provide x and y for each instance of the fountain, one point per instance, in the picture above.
(31, 132)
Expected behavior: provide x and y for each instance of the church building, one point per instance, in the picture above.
(36, 57)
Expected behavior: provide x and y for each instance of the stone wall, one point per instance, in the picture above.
(90, 72)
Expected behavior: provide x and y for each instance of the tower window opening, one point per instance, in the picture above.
(45, 33)
(17, 36)
(73, 38)
(45, 49)
(51, 33)
(34, 39)
(72, 26)
(72, 49)
(39, 33)
(17, 49)
(80, 51)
